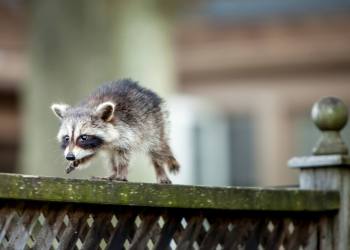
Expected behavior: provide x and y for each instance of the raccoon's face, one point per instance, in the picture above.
(83, 131)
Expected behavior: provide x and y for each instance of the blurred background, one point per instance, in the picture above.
(239, 78)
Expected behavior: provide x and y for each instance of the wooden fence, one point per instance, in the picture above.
(56, 213)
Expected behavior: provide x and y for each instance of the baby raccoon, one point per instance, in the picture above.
(119, 118)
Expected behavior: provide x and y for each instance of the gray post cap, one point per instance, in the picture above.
(330, 115)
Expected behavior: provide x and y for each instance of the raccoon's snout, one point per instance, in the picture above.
(70, 156)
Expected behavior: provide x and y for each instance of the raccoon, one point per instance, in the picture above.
(119, 118)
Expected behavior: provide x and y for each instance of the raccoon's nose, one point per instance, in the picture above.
(70, 156)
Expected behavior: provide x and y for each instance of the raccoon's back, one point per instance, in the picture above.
(134, 104)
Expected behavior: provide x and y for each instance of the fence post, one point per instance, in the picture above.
(329, 167)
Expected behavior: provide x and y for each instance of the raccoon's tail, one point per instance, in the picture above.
(173, 165)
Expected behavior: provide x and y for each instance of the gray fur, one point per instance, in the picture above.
(131, 118)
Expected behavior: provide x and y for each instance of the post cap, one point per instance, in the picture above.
(330, 113)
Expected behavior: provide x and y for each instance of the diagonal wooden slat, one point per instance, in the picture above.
(97, 230)
(238, 235)
(63, 226)
(15, 212)
(54, 220)
(85, 228)
(71, 233)
(271, 234)
(303, 231)
(215, 234)
(120, 233)
(179, 231)
(6, 215)
(253, 239)
(23, 228)
(191, 232)
(4, 211)
(172, 223)
(144, 232)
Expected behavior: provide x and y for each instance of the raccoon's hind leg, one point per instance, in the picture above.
(163, 157)
(158, 163)
(119, 163)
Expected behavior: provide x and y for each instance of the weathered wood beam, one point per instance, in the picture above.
(173, 196)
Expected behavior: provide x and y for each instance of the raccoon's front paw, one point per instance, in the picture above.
(110, 178)
(123, 179)
(117, 178)
(164, 181)
(98, 178)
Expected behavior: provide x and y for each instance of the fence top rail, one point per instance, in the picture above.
(24, 187)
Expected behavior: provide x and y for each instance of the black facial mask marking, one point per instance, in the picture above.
(89, 141)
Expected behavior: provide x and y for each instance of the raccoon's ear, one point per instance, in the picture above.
(105, 111)
(59, 109)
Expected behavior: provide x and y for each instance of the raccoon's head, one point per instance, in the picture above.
(84, 131)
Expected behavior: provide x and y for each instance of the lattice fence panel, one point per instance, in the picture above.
(36, 225)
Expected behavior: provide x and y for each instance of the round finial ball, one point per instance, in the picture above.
(330, 113)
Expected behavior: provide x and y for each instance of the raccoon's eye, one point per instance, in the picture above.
(83, 137)
(89, 141)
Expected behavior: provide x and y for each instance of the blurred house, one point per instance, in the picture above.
(264, 64)
(240, 76)
(12, 74)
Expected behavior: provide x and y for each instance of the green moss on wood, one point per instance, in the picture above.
(155, 195)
